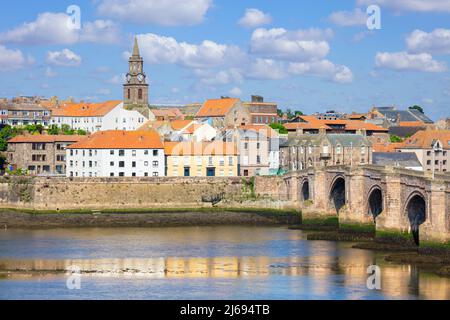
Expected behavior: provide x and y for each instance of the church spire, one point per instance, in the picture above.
(136, 48)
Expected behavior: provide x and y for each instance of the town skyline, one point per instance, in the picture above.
(219, 49)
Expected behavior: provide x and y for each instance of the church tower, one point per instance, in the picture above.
(135, 90)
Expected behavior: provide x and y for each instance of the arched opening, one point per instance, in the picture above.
(140, 94)
(305, 191)
(417, 215)
(128, 94)
(337, 194)
(376, 203)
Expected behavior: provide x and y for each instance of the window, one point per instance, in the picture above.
(258, 146)
(140, 94)
(111, 174)
(222, 161)
(71, 153)
(210, 162)
(121, 153)
(90, 164)
(155, 174)
(121, 174)
(134, 153)
(111, 152)
(258, 159)
(230, 161)
(429, 162)
(155, 153)
(363, 150)
(133, 174)
(146, 164)
(428, 153)
(199, 161)
(71, 163)
(246, 146)
(146, 174)
(155, 164)
(133, 164)
(111, 164)
(129, 94)
(121, 164)
(38, 146)
(61, 158)
(146, 152)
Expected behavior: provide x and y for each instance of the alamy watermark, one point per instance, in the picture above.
(73, 282)
(74, 18)
(374, 279)
(374, 17)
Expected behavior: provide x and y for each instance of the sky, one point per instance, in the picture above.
(305, 55)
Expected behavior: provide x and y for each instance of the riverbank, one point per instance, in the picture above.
(146, 218)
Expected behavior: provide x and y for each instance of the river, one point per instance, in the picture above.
(199, 263)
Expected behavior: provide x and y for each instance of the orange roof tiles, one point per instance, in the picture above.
(85, 109)
(180, 124)
(216, 107)
(312, 123)
(425, 139)
(46, 138)
(121, 140)
(216, 148)
(386, 147)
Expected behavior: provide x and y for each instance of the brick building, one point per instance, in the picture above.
(40, 154)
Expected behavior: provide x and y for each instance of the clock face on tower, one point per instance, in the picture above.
(128, 78)
(140, 77)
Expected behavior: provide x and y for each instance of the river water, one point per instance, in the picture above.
(199, 263)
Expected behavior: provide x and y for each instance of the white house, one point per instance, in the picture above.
(94, 117)
(117, 154)
(198, 132)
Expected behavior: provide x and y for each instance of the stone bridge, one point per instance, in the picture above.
(396, 200)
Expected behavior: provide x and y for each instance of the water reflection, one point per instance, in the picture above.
(280, 263)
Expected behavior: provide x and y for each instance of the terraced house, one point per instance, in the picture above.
(21, 114)
(94, 117)
(117, 154)
(201, 159)
(305, 151)
(40, 154)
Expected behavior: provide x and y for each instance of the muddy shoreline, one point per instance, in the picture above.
(152, 219)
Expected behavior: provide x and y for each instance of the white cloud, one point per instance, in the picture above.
(220, 78)
(103, 31)
(52, 28)
(266, 69)
(357, 17)
(255, 18)
(435, 42)
(11, 59)
(236, 92)
(405, 61)
(301, 45)
(64, 58)
(410, 5)
(324, 68)
(166, 50)
(159, 12)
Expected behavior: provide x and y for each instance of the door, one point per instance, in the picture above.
(187, 172)
(211, 172)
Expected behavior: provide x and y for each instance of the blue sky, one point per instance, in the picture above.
(309, 56)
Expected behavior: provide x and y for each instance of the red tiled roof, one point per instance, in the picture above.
(216, 108)
(425, 139)
(121, 140)
(42, 138)
(85, 109)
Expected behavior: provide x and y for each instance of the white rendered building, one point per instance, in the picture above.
(94, 117)
(117, 154)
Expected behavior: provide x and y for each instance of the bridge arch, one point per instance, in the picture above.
(337, 194)
(375, 202)
(305, 190)
(416, 211)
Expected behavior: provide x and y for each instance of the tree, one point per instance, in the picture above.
(81, 132)
(53, 130)
(396, 139)
(280, 113)
(298, 113)
(279, 127)
(418, 108)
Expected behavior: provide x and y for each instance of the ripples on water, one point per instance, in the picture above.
(199, 263)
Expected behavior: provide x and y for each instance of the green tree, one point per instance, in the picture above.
(53, 130)
(279, 127)
(396, 139)
(418, 108)
(280, 113)
(81, 132)
(298, 113)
